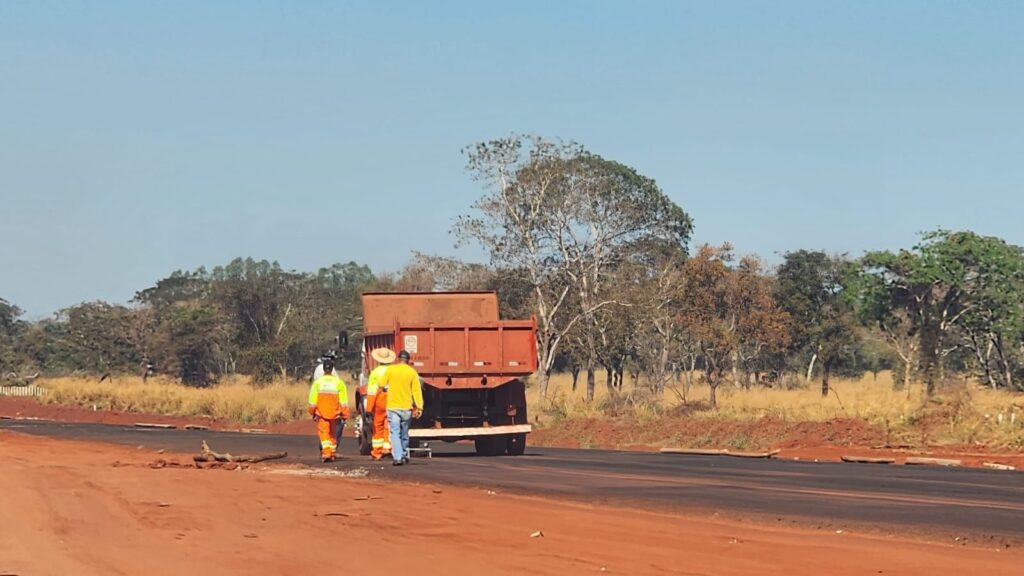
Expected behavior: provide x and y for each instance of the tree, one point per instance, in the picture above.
(659, 286)
(810, 287)
(336, 305)
(724, 309)
(98, 338)
(262, 301)
(565, 217)
(878, 305)
(992, 325)
(428, 273)
(11, 330)
(187, 343)
(949, 281)
(762, 327)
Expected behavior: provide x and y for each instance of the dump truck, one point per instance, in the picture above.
(471, 363)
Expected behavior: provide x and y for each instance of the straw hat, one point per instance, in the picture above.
(383, 355)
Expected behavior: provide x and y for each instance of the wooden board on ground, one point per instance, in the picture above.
(997, 466)
(693, 451)
(934, 461)
(768, 454)
(149, 425)
(719, 452)
(208, 455)
(867, 460)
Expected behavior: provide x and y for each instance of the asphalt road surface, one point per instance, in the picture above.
(944, 501)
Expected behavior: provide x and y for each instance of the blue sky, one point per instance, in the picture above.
(137, 138)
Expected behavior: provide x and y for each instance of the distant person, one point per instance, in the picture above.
(405, 402)
(328, 404)
(319, 370)
(150, 371)
(377, 403)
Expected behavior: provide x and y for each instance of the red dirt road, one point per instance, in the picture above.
(68, 509)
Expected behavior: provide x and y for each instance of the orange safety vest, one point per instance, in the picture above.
(328, 397)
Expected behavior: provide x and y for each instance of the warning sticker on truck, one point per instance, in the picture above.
(411, 343)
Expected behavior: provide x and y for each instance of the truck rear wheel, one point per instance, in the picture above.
(516, 444)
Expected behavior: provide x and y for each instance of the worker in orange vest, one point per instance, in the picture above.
(377, 403)
(328, 404)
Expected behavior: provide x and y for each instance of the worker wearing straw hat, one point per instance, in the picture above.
(377, 403)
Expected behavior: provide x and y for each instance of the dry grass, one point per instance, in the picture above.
(962, 413)
(233, 399)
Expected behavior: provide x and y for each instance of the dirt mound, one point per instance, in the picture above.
(707, 433)
(838, 432)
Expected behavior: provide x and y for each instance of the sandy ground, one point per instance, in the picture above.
(81, 508)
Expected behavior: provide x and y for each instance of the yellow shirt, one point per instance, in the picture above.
(404, 389)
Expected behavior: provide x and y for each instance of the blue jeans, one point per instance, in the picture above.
(398, 424)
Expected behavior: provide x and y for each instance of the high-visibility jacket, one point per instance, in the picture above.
(404, 389)
(328, 397)
(373, 386)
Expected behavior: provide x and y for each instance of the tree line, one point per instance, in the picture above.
(602, 257)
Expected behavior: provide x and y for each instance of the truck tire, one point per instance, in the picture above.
(490, 445)
(516, 444)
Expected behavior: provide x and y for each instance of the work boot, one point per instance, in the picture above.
(398, 462)
(405, 460)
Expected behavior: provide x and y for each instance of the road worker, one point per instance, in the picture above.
(377, 403)
(319, 371)
(328, 404)
(405, 402)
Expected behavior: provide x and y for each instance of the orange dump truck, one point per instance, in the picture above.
(471, 363)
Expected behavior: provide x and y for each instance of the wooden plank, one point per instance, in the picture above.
(195, 427)
(694, 451)
(867, 460)
(150, 425)
(997, 466)
(933, 462)
(769, 454)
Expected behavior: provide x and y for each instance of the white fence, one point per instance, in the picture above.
(21, 391)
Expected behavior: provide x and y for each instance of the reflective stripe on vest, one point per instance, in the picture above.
(328, 386)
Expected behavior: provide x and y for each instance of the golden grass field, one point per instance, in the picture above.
(234, 399)
(963, 414)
